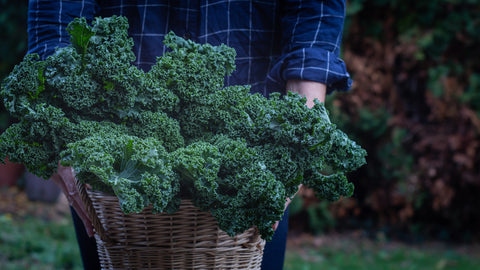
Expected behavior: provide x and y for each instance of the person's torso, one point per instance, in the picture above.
(250, 27)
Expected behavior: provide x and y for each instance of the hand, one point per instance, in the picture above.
(65, 179)
(310, 89)
(287, 203)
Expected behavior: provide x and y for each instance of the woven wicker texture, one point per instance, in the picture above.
(187, 239)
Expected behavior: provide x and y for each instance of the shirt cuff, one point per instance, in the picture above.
(312, 64)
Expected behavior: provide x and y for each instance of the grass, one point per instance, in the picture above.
(360, 254)
(33, 243)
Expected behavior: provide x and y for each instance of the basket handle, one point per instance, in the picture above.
(92, 214)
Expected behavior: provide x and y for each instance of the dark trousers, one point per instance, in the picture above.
(273, 254)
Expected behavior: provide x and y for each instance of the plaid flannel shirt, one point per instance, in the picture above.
(275, 40)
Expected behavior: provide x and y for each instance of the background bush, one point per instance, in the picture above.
(415, 107)
(13, 34)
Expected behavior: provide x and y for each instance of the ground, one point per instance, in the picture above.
(14, 202)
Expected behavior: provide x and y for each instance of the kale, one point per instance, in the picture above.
(136, 170)
(174, 132)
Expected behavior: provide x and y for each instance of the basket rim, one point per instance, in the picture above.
(100, 230)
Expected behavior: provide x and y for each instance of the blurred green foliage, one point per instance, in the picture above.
(13, 33)
(33, 243)
(446, 33)
(355, 253)
(415, 107)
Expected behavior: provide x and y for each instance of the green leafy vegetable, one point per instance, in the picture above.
(174, 132)
(136, 170)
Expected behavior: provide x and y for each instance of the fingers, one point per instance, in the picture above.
(275, 226)
(289, 200)
(309, 89)
(287, 203)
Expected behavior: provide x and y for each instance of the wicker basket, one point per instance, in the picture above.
(187, 239)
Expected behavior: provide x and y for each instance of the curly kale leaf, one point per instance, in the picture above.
(330, 187)
(295, 142)
(136, 170)
(94, 76)
(21, 148)
(25, 86)
(248, 193)
(223, 112)
(283, 162)
(197, 165)
(344, 154)
(192, 70)
(76, 91)
(226, 177)
(160, 126)
(80, 36)
(154, 96)
(37, 139)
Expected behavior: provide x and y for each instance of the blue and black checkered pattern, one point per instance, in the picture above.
(275, 40)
